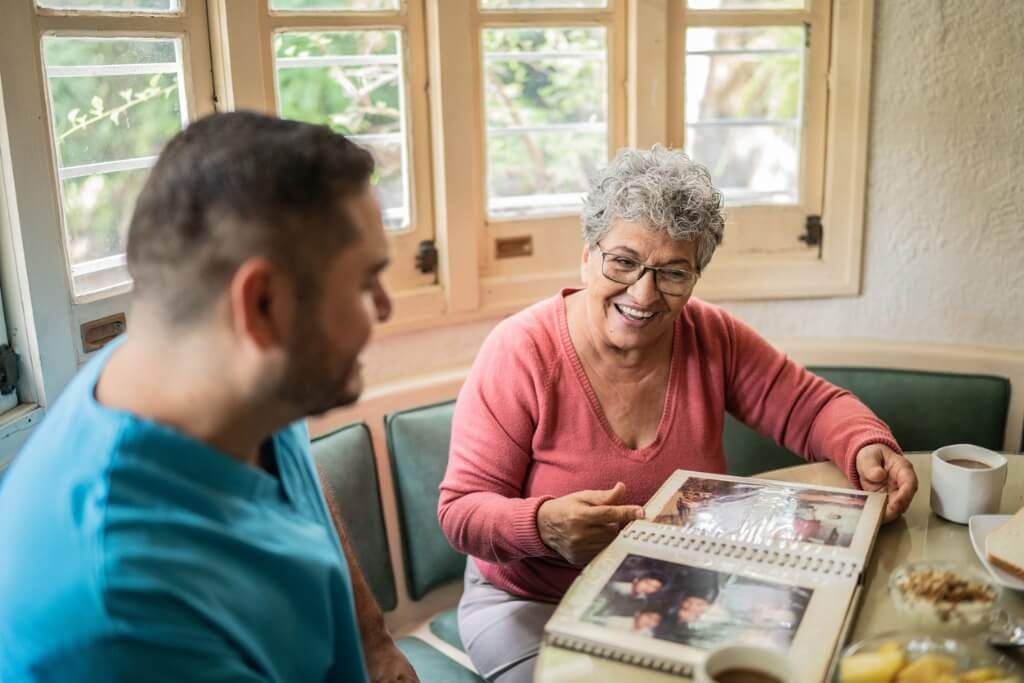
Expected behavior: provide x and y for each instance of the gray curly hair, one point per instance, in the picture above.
(661, 188)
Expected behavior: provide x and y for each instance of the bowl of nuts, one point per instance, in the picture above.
(945, 597)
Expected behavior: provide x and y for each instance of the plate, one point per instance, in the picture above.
(980, 527)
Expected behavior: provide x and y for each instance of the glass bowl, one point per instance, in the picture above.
(921, 657)
(945, 598)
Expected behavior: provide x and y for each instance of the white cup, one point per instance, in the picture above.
(760, 659)
(958, 492)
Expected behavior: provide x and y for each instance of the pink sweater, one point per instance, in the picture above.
(528, 427)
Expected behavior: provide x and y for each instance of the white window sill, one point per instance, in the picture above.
(15, 427)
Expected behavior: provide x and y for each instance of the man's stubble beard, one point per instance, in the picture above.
(309, 383)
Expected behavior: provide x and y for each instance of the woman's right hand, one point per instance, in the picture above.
(580, 525)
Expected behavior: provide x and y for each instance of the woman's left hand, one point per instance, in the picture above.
(882, 469)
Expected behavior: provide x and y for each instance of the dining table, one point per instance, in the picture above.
(918, 535)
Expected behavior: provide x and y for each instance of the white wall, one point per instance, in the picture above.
(944, 242)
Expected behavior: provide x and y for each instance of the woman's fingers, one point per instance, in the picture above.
(611, 514)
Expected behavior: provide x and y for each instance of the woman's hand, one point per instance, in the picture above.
(882, 469)
(579, 526)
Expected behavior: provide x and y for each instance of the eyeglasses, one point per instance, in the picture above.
(627, 271)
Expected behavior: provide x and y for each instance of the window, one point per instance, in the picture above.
(551, 112)
(358, 66)
(747, 94)
(91, 89)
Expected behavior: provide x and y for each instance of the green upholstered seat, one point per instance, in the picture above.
(446, 627)
(432, 666)
(418, 446)
(346, 461)
(925, 410)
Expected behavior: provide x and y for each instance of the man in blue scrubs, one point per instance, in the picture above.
(165, 522)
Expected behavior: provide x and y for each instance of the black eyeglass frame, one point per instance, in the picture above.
(655, 270)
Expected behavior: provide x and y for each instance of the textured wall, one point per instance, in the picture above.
(944, 240)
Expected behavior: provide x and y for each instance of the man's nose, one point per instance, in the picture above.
(382, 302)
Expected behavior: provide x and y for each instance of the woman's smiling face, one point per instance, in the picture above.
(633, 317)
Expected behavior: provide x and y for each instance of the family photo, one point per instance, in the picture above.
(697, 607)
(762, 513)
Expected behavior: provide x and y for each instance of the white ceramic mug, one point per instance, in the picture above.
(958, 492)
(752, 657)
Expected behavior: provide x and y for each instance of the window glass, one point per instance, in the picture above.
(352, 81)
(542, 4)
(746, 4)
(334, 5)
(744, 92)
(114, 103)
(112, 5)
(546, 113)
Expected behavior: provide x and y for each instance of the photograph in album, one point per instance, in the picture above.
(763, 512)
(697, 607)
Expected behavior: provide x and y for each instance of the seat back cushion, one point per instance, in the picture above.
(925, 410)
(349, 472)
(418, 442)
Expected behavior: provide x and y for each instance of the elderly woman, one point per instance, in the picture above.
(579, 407)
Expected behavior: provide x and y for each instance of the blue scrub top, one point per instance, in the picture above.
(129, 551)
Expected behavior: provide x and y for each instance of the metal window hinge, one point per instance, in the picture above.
(9, 374)
(426, 257)
(813, 231)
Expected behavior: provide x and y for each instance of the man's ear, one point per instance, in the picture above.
(262, 303)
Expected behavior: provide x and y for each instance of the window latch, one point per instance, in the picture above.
(9, 374)
(813, 231)
(426, 257)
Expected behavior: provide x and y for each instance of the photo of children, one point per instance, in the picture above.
(697, 607)
(762, 513)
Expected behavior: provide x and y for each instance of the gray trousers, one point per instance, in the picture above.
(501, 632)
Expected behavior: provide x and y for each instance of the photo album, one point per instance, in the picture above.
(724, 560)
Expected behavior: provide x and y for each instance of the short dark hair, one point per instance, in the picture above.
(234, 186)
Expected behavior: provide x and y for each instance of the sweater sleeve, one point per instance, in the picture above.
(799, 410)
(481, 509)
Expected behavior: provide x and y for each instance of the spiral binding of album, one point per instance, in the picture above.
(750, 553)
(676, 668)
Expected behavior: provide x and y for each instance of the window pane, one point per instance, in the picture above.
(744, 101)
(746, 4)
(334, 5)
(546, 110)
(114, 103)
(541, 4)
(352, 81)
(113, 5)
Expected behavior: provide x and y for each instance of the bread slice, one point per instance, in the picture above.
(1004, 547)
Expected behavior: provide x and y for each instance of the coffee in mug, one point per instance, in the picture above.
(744, 676)
(969, 464)
(745, 664)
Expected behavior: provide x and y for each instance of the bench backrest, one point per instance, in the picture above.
(349, 470)
(925, 410)
(418, 441)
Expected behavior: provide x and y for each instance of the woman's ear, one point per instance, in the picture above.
(585, 263)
